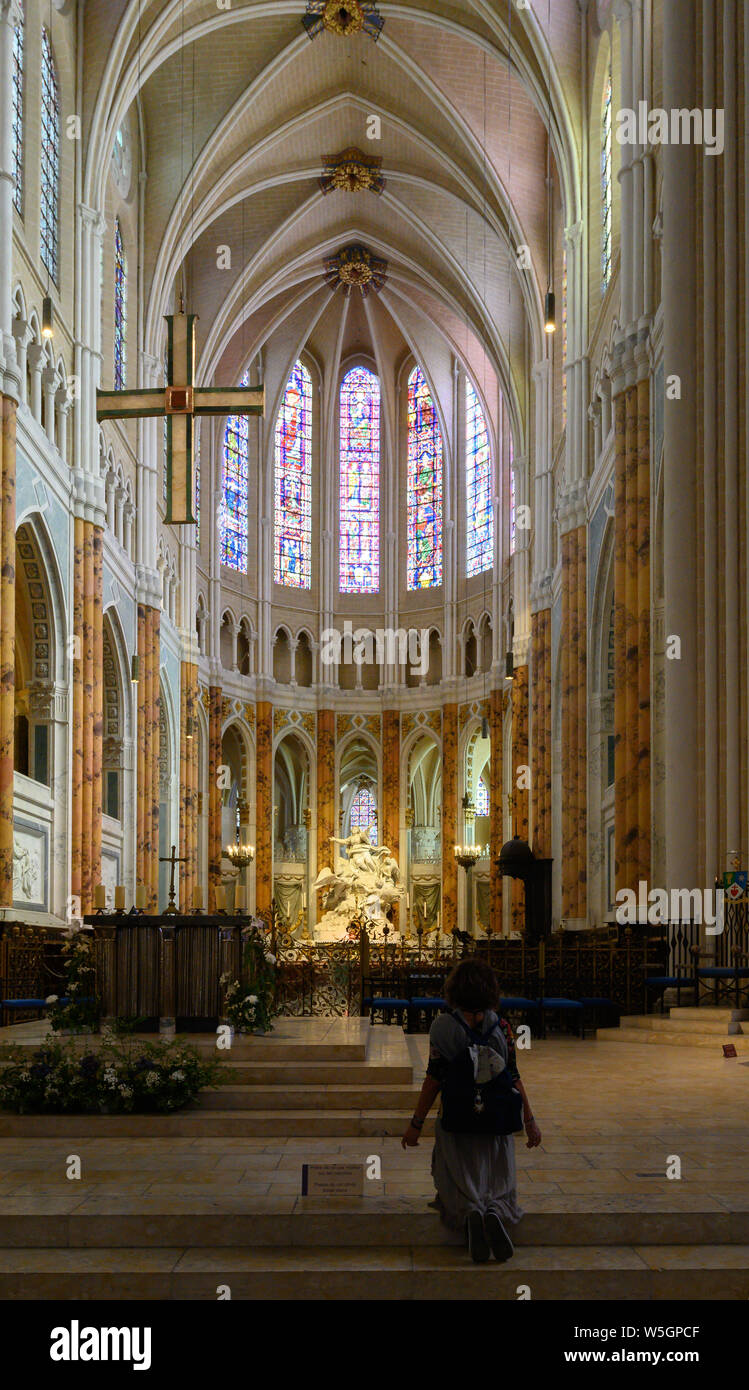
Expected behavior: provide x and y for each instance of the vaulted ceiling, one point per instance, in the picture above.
(238, 111)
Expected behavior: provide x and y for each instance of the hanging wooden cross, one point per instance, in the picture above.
(180, 401)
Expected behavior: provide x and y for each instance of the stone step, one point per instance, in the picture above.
(322, 1098)
(213, 1124)
(707, 1011)
(316, 1074)
(661, 1023)
(665, 1039)
(183, 1218)
(621, 1272)
(243, 1049)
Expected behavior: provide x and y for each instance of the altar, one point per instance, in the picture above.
(165, 970)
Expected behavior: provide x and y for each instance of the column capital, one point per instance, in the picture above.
(572, 507)
(540, 592)
(573, 233)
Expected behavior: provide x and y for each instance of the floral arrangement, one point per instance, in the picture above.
(119, 1078)
(249, 1002)
(82, 1011)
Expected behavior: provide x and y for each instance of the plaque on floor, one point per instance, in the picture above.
(332, 1179)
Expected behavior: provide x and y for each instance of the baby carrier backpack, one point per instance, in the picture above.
(478, 1093)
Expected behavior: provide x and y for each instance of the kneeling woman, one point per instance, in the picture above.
(474, 1173)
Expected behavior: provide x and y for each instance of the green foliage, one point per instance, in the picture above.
(249, 1002)
(118, 1078)
(82, 1012)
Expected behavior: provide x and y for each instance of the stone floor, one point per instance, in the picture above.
(596, 1193)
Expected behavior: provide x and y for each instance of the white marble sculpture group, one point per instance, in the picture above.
(361, 889)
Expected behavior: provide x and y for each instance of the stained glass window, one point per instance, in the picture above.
(482, 798)
(606, 188)
(120, 310)
(17, 114)
(50, 160)
(513, 520)
(364, 813)
(424, 486)
(293, 489)
(234, 486)
(359, 406)
(166, 429)
(479, 529)
(196, 465)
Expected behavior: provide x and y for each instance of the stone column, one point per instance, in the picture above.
(36, 358)
(541, 730)
(7, 638)
(149, 712)
(215, 759)
(520, 797)
(573, 646)
(326, 825)
(497, 706)
(391, 782)
(188, 802)
(264, 804)
(10, 15)
(449, 817)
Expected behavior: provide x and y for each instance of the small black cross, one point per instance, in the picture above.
(174, 861)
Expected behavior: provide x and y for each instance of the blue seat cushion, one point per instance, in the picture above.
(381, 1001)
(724, 972)
(24, 1003)
(517, 1002)
(594, 1003)
(561, 1003)
(427, 1002)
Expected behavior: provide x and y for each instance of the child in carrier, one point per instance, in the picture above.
(472, 1065)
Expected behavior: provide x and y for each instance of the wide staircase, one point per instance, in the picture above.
(707, 1027)
(172, 1210)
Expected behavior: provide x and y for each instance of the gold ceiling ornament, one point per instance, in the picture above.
(356, 267)
(352, 171)
(349, 17)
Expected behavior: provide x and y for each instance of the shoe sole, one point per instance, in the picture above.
(501, 1246)
(478, 1245)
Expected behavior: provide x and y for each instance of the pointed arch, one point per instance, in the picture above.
(234, 487)
(424, 486)
(479, 512)
(49, 221)
(359, 514)
(292, 550)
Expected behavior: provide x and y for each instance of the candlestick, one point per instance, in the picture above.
(140, 896)
(119, 898)
(100, 896)
(197, 898)
(220, 898)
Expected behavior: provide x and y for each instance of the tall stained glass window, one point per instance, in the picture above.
(50, 161)
(234, 484)
(17, 114)
(120, 310)
(359, 547)
(564, 336)
(166, 429)
(424, 481)
(479, 529)
(196, 467)
(293, 489)
(482, 798)
(606, 187)
(364, 813)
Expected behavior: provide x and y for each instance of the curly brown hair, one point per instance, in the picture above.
(472, 986)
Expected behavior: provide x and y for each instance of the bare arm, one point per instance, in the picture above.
(428, 1094)
(531, 1128)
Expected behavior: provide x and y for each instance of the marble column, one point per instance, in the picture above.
(573, 643)
(391, 781)
(632, 796)
(149, 714)
(264, 808)
(450, 818)
(325, 787)
(497, 706)
(188, 801)
(97, 709)
(87, 647)
(215, 699)
(520, 796)
(7, 641)
(541, 731)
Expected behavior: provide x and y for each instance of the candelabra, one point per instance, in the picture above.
(240, 856)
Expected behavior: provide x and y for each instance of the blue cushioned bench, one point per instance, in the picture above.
(572, 1007)
(664, 982)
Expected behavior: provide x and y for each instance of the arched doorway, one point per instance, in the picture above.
(424, 822)
(291, 821)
